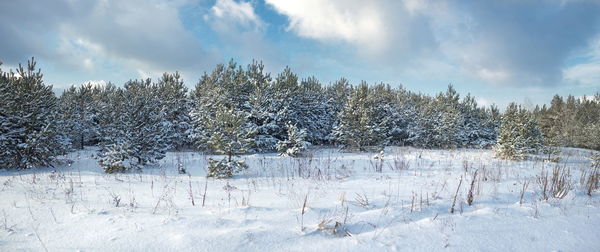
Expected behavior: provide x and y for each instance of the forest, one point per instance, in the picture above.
(235, 110)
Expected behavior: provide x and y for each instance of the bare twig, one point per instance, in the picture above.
(190, 191)
(470, 194)
(523, 189)
(455, 195)
(205, 188)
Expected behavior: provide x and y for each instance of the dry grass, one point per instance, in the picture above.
(556, 185)
(590, 179)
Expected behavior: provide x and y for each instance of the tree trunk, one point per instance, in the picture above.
(81, 142)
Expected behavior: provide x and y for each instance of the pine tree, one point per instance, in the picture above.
(356, 129)
(519, 134)
(229, 135)
(447, 127)
(29, 132)
(479, 125)
(440, 122)
(134, 129)
(338, 94)
(400, 112)
(261, 115)
(313, 112)
(551, 123)
(225, 87)
(285, 103)
(79, 115)
(295, 142)
(175, 108)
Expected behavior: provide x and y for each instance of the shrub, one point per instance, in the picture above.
(224, 168)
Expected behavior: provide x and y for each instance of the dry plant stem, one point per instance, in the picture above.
(362, 200)
(5, 221)
(35, 231)
(455, 195)
(205, 188)
(560, 185)
(470, 194)
(53, 216)
(302, 212)
(190, 192)
(35, 228)
(591, 180)
(523, 189)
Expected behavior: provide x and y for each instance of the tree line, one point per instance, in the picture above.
(234, 110)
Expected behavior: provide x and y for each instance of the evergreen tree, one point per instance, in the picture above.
(447, 128)
(519, 134)
(479, 125)
(439, 122)
(573, 123)
(313, 112)
(338, 94)
(569, 129)
(400, 112)
(284, 102)
(261, 115)
(295, 142)
(551, 123)
(175, 108)
(229, 135)
(134, 129)
(380, 111)
(356, 129)
(29, 132)
(78, 113)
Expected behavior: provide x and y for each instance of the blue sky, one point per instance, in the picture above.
(499, 51)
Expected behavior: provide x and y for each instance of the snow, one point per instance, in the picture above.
(73, 208)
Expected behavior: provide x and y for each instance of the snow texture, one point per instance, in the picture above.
(323, 201)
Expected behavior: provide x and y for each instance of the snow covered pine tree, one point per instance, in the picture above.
(294, 144)
(78, 114)
(29, 133)
(357, 128)
(229, 135)
(135, 130)
(175, 105)
(519, 134)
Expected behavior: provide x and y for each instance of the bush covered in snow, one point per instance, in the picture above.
(225, 168)
(294, 144)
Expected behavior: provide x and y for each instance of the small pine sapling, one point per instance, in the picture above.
(115, 158)
(295, 142)
(229, 135)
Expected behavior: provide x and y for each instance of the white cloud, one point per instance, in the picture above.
(107, 37)
(415, 6)
(483, 101)
(79, 52)
(356, 22)
(500, 42)
(493, 76)
(240, 13)
(242, 32)
(587, 73)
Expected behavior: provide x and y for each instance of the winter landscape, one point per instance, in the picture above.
(325, 201)
(232, 134)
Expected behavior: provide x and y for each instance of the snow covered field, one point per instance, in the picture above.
(326, 201)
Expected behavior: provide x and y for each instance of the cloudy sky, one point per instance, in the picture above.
(499, 51)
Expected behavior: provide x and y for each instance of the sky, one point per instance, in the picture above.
(499, 51)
